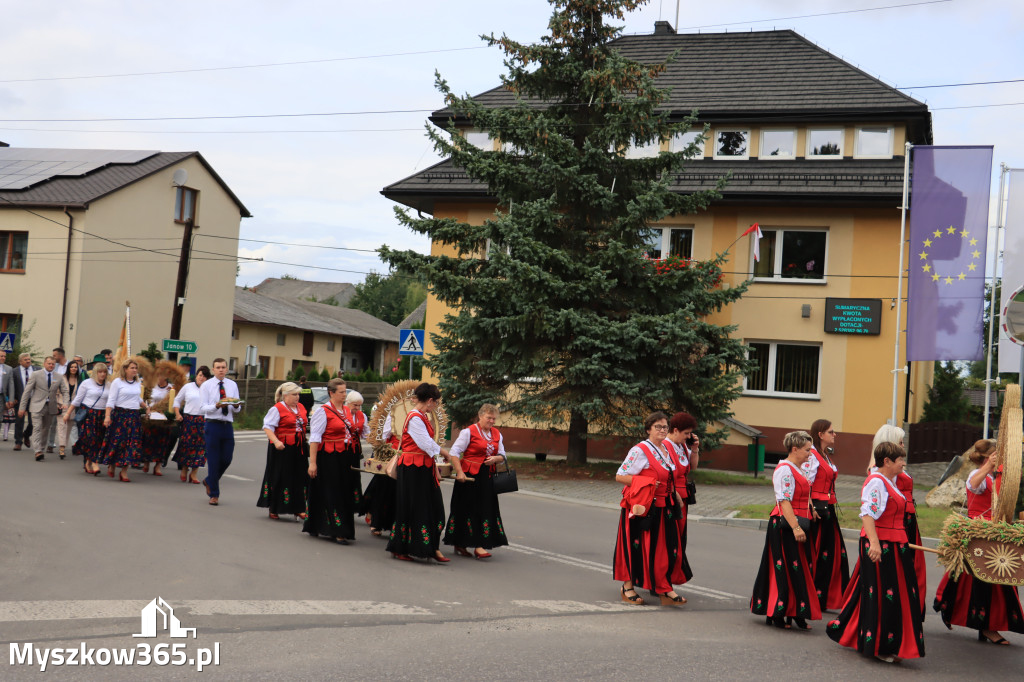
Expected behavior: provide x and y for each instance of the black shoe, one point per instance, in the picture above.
(39, 457)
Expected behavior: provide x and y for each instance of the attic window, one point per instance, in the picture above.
(479, 139)
(873, 142)
(185, 200)
(778, 144)
(732, 144)
(643, 151)
(681, 141)
(824, 143)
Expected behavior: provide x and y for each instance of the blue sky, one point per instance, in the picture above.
(316, 179)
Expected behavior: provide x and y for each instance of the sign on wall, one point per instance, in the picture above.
(853, 316)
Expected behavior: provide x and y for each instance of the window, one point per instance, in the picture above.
(185, 201)
(783, 369)
(643, 151)
(234, 333)
(13, 251)
(10, 322)
(825, 143)
(232, 365)
(778, 144)
(680, 142)
(479, 138)
(792, 254)
(264, 365)
(873, 142)
(330, 344)
(732, 144)
(671, 241)
(282, 339)
(355, 363)
(307, 343)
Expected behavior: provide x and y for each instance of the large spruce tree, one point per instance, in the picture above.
(560, 317)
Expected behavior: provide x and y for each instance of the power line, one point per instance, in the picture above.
(210, 118)
(215, 132)
(961, 85)
(811, 16)
(264, 241)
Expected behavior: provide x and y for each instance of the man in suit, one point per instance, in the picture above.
(45, 392)
(6, 382)
(22, 372)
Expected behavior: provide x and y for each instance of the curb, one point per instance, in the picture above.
(762, 524)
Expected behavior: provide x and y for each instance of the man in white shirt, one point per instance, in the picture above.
(6, 382)
(42, 398)
(220, 435)
(60, 360)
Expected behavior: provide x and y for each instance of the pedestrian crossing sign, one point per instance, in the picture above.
(7, 340)
(410, 341)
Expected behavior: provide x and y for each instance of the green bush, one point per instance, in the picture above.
(325, 375)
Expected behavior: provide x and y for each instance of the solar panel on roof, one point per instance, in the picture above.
(22, 167)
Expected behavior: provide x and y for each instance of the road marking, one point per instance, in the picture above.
(22, 611)
(572, 606)
(237, 478)
(606, 569)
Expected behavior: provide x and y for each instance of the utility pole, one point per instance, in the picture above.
(179, 287)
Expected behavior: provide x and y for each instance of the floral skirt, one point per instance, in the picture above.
(474, 519)
(972, 603)
(122, 442)
(647, 551)
(831, 565)
(90, 435)
(285, 480)
(378, 503)
(157, 437)
(784, 586)
(191, 450)
(881, 616)
(331, 508)
(419, 512)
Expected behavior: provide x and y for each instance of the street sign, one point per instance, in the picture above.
(7, 340)
(410, 341)
(176, 346)
(252, 356)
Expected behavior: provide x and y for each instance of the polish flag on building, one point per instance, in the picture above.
(755, 229)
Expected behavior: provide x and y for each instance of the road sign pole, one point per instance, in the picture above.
(412, 359)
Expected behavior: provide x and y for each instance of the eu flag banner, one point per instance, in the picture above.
(948, 228)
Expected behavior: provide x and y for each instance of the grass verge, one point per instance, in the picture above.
(604, 470)
(928, 520)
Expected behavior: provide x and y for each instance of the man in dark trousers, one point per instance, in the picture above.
(220, 435)
(22, 373)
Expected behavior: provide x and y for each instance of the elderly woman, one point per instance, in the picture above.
(474, 519)
(188, 409)
(647, 545)
(92, 397)
(419, 509)
(685, 455)
(830, 566)
(354, 453)
(286, 477)
(784, 589)
(971, 603)
(881, 616)
(331, 506)
(67, 430)
(122, 442)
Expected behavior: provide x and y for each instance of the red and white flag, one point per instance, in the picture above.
(756, 230)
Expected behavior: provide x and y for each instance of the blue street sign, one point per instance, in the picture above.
(7, 340)
(410, 341)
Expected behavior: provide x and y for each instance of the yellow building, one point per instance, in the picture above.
(84, 230)
(815, 152)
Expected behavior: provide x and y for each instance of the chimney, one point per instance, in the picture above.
(663, 28)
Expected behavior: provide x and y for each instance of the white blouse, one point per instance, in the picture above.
(418, 432)
(981, 487)
(125, 394)
(875, 496)
(385, 432)
(189, 397)
(784, 481)
(156, 394)
(636, 460)
(89, 393)
(462, 442)
(682, 452)
(318, 424)
(273, 418)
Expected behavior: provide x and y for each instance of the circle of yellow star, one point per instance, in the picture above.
(927, 268)
(948, 280)
(928, 243)
(951, 230)
(937, 233)
(935, 277)
(972, 267)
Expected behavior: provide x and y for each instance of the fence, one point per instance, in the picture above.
(259, 393)
(940, 441)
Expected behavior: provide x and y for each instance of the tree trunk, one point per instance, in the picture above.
(577, 452)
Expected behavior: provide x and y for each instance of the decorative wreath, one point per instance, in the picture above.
(396, 402)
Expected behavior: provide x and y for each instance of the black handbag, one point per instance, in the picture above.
(804, 524)
(81, 412)
(822, 510)
(505, 481)
(691, 493)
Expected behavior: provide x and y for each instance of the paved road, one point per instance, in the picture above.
(80, 556)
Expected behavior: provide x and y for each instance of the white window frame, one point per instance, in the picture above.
(476, 133)
(714, 140)
(772, 355)
(856, 142)
(761, 147)
(666, 238)
(645, 151)
(809, 153)
(776, 277)
(677, 145)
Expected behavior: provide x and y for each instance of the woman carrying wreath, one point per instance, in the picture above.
(829, 563)
(474, 519)
(784, 588)
(286, 477)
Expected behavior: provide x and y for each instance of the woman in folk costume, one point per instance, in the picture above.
(967, 601)
(93, 397)
(686, 455)
(191, 452)
(157, 435)
(474, 519)
(331, 505)
(881, 616)
(122, 442)
(419, 509)
(784, 588)
(829, 563)
(647, 546)
(286, 477)
(378, 503)
(360, 430)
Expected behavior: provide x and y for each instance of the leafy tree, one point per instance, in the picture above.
(558, 313)
(946, 399)
(152, 353)
(388, 297)
(325, 375)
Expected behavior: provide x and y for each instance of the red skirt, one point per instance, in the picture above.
(784, 583)
(647, 551)
(972, 603)
(831, 567)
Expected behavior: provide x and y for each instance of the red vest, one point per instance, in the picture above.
(905, 483)
(824, 486)
(980, 504)
(358, 420)
(889, 525)
(679, 475)
(337, 437)
(479, 449)
(801, 493)
(660, 473)
(291, 428)
(411, 453)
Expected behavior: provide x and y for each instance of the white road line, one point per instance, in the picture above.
(22, 611)
(237, 478)
(571, 606)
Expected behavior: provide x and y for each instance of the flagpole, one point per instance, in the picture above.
(896, 369)
(992, 299)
